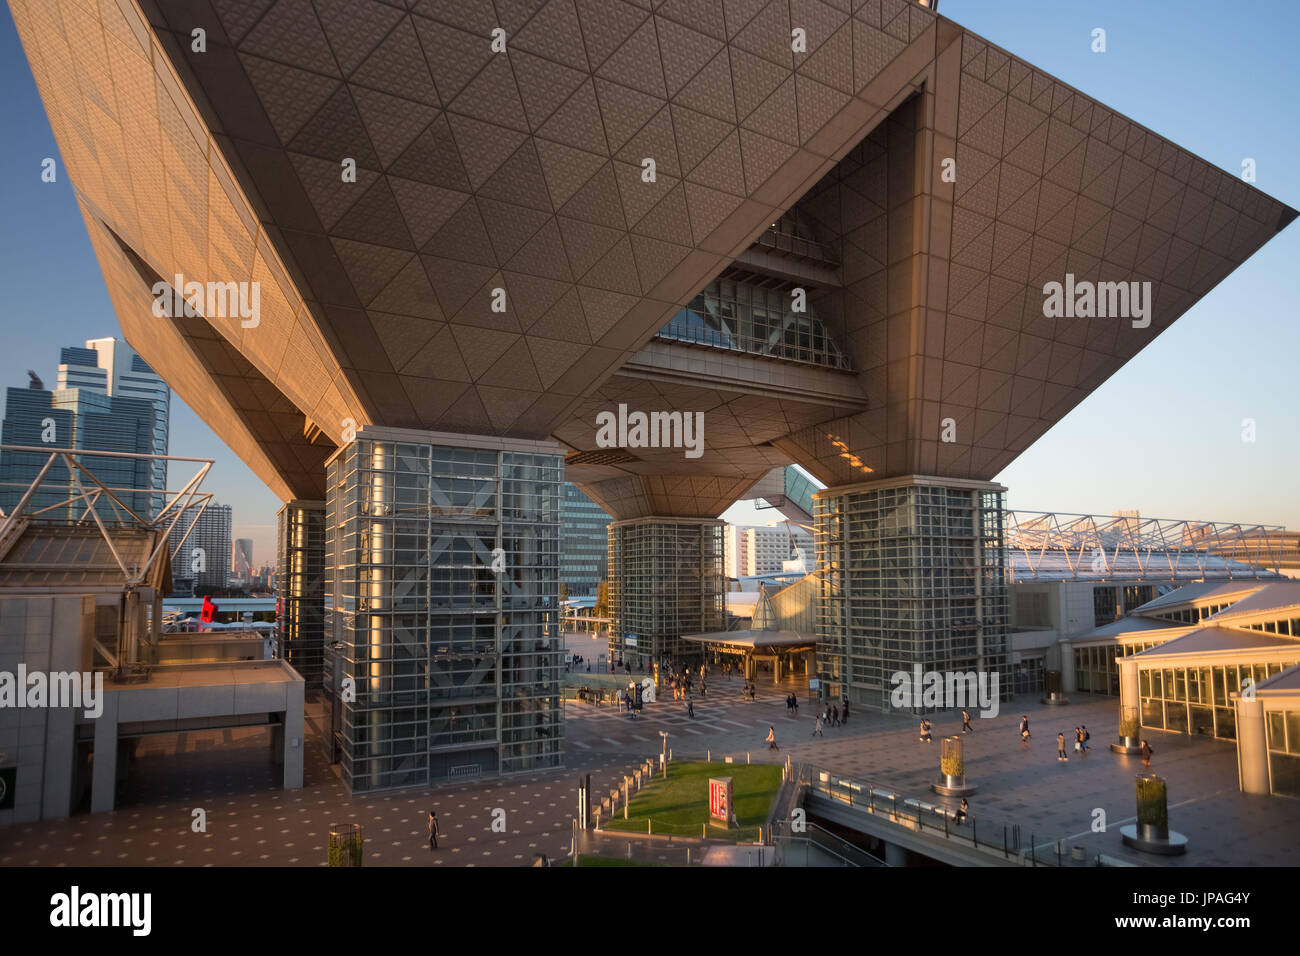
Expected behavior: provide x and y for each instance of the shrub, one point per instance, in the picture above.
(952, 764)
(1152, 802)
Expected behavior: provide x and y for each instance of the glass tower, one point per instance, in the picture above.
(583, 548)
(111, 367)
(441, 607)
(86, 420)
(666, 580)
(911, 574)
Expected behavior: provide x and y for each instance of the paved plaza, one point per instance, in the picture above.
(250, 821)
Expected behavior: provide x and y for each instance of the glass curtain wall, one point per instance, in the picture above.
(1194, 700)
(910, 575)
(444, 592)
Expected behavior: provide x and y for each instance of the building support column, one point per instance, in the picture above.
(442, 553)
(870, 541)
(666, 581)
(103, 783)
(1252, 747)
(1067, 666)
(292, 755)
(1128, 684)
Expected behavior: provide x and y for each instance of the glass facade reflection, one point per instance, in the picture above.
(443, 592)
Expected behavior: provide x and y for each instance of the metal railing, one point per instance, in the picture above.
(939, 822)
(814, 837)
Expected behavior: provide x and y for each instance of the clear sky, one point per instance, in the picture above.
(1164, 435)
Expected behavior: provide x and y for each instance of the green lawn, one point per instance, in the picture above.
(680, 804)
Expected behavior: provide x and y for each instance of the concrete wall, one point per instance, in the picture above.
(46, 633)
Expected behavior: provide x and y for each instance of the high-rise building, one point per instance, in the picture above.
(241, 560)
(767, 549)
(583, 542)
(81, 418)
(204, 561)
(109, 366)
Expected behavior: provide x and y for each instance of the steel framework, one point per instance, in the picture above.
(1100, 546)
(80, 494)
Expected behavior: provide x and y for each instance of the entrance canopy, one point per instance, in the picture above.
(755, 642)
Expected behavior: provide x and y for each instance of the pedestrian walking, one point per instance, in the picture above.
(1146, 754)
(961, 811)
(1086, 737)
(690, 708)
(433, 830)
(794, 699)
(835, 715)
(925, 731)
(1060, 748)
(817, 727)
(966, 728)
(846, 710)
(771, 739)
(1078, 740)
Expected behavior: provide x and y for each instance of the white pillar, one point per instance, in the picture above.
(1128, 684)
(1252, 747)
(1067, 667)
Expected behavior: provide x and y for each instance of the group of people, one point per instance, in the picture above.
(1081, 738)
(791, 705)
(830, 717)
(577, 663)
(927, 729)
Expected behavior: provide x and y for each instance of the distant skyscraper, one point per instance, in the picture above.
(764, 550)
(241, 560)
(584, 549)
(86, 418)
(110, 367)
(205, 558)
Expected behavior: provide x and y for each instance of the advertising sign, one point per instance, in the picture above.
(720, 801)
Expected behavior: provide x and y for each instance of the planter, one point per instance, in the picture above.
(345, 842)
(1130, 730)
(952, 770)
(1151, 833)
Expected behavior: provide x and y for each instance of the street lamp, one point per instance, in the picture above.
(663, 756)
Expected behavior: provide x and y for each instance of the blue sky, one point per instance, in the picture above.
(1164, 435)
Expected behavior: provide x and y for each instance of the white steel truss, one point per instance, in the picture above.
(1056, 545)
(80, 493)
